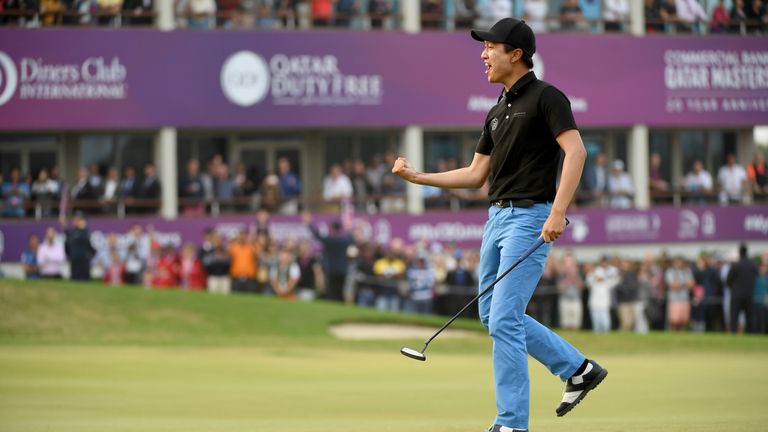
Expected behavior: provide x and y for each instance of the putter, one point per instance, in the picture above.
(419, 355)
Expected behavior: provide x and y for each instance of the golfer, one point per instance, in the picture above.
(519, 149)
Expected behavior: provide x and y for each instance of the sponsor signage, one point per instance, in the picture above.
(589, 227)
(96, 79)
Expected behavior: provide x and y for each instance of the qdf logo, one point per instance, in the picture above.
(8, 78)
(245, 78)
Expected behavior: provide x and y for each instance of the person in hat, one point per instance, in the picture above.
(520, 149)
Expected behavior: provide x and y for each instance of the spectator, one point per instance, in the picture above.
(654, 22)
(114, 271)
(431, 14)
(244, 257)
(243, 184)
(679, 279)
(758, 177)
(570, 285)
(571, 16)
(760, 301)
(741, 278)
(50, 12)
(269, 192)
(375, 173)
(15, 193)
(378, 10)
(615, 14)
(103, 258)
(29, 258)
(128, 187)
(461, 285)
(755, 16)
(668, 12)
(108, 10)
(51, 257)
(465, 13)
(690, 14)
(44, 191)
(225, 187)
(658, 185)
(285, 11)
(191, 272)
(217, 264)
(738, 17)
(336, 260)
(134, 265)
(228, 13)
(201, 14)
(390, 269)
(109, 193)
(620, 186)
(321, 12)
(421, 285)
(138, 12)
(345, 11)
(535, 13)
(720, 20)
(651, 277)
(290, 187)
(698, 184)
(284, 275)
(149, 190)
(82, 191)
(361, 187)
(337, 186)
(545, 296)
(79, 248)
(311, 273)
(596, 178)
(732, 179)
(95, 180)
(705, 276)
(165, 273)
(191, 189)
(602, 280)
(627, 295)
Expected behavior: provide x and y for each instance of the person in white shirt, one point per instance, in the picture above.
(536, 15)
(602, 281)
(620, 186)
(337, 185)
(689, 13)
(490, 11)
(698, 183)
(615, 13)
(110, 185)
(731, 178)
(51, 256)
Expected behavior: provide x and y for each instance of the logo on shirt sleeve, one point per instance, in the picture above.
(494, 124)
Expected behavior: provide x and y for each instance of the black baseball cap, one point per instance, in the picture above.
(510, 31)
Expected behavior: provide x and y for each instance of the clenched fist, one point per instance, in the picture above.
(403, 169)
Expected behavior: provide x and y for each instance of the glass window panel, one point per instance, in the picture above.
(135, 151)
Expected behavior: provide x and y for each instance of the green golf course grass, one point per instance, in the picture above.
(87, 357)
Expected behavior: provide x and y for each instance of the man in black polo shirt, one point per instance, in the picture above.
(519, 149)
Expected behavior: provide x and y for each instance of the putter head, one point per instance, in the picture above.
(412, 353)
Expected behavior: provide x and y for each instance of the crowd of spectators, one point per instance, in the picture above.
(660, 292)
(610, 185)
(366, 187)
(670, 16)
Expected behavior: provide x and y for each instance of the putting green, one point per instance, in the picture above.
(84, 358)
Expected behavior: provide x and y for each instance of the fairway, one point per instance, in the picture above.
(86, 358)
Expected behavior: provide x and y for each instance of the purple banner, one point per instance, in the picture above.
(588, 227)
(129, 79)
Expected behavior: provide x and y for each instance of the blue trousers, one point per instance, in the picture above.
(508, 233)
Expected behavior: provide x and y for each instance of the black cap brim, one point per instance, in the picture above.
(482, 36)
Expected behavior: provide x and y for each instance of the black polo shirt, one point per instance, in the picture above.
(519, 135)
